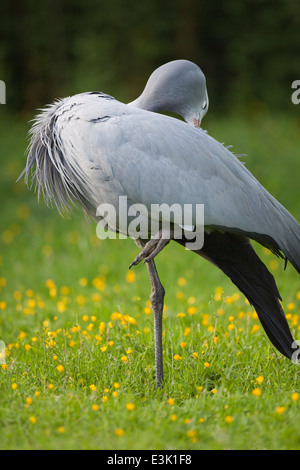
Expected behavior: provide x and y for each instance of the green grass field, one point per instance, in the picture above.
(79, 367)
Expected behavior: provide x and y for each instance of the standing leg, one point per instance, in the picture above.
(157, 301)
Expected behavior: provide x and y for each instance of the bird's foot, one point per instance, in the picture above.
(151, 249)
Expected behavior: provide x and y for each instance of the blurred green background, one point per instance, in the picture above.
(248, 50)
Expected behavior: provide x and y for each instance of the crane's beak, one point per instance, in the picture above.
(197, 122)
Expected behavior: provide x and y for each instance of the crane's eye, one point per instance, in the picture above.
(204, 105)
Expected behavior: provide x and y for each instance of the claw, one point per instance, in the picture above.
(150, 250)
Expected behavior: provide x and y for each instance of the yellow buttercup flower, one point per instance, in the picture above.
(61, 306)
(80, 299)
(181, 281)
(273, 264)
(180, 315)
(192, 310)
(255, 328)
(130, 319)
(130, 406)
(96, 297)
(130, 277)
(83, 281)
(64, 290)
(52, 292)
(17, 295)
(228, 419)
(50, 283)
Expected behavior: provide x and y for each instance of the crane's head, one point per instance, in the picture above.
(179, 87)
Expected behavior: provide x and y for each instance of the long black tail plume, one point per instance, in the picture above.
(235, 256)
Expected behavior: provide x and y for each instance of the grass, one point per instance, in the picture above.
(79, 369)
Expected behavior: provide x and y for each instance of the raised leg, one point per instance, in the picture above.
(152, 247)
(157, 301)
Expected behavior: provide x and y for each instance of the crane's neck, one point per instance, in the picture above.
(160, 103)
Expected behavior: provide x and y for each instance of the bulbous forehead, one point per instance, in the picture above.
(179, 71)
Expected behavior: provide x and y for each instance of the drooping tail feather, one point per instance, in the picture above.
(235, 256)
(55, 173)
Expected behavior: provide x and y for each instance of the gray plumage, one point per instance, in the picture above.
(89, 149)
